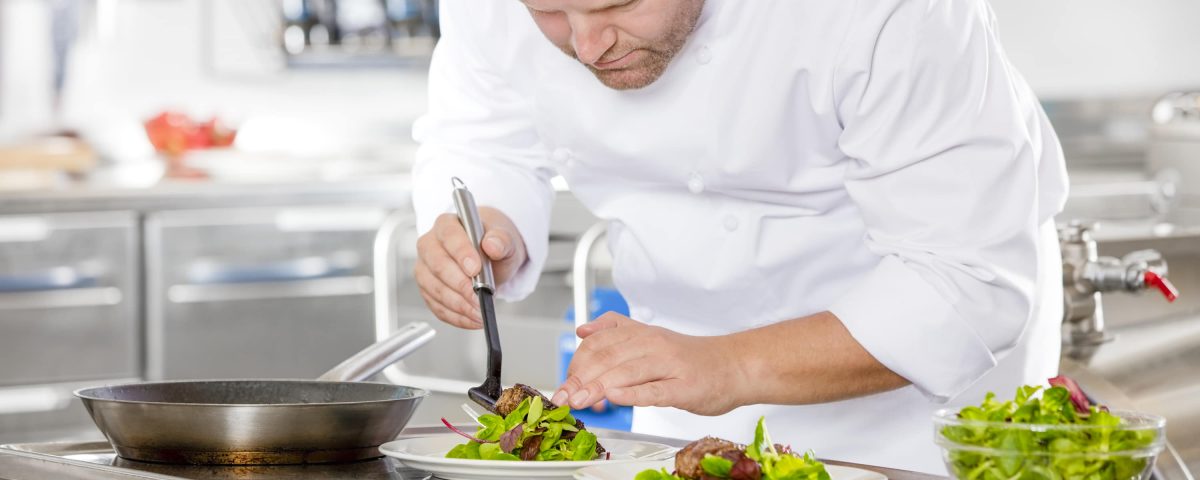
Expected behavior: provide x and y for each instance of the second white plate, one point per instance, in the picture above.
(628, 470)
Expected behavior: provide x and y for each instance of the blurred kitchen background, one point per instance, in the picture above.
(218, 188)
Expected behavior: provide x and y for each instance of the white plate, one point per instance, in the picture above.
(628, 470)
(429, 454)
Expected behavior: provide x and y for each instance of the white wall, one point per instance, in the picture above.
(1103, 48)
(141, 56)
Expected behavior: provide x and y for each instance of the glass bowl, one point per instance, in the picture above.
(982, 450)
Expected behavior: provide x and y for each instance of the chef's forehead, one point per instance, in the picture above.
(575, 5)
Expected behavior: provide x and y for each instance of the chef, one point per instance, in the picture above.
(837, 214)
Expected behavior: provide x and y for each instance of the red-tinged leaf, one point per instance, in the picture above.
(745, 469)
(508, 441)
(460, 432)
(1077, 397)
(531, 448)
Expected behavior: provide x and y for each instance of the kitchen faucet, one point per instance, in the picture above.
(1086, 275)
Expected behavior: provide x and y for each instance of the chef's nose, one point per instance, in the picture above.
(591, 37)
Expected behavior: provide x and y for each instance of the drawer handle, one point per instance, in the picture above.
(57, 278)
(317, 287)
(67, 298)
(304, 268)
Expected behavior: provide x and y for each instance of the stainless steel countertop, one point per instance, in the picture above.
(391, 190)
(95, 460)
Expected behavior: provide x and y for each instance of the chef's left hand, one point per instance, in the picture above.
(631, 363)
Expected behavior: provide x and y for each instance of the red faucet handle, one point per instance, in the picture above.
(1163, 285)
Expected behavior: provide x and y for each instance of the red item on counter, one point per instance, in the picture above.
(174, 133)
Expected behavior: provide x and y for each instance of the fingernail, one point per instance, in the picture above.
(469, 265)
(560, 398)
(580, 397)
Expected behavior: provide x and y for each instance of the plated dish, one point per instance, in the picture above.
(526, 426)
(429, 454)
(711, 458)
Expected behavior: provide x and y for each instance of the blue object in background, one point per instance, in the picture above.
(603, 300)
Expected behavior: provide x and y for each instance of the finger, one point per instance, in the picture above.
(653, 394)
(446, 315)
(601, 353)
(450, 278)
(604, 322)
(497, 245)
(561, 397)
(458, 245)
(587, 365)
(628, 374)
(445, 295)
(449, 272)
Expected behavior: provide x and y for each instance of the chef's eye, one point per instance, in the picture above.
(627, 5)
(540, 12)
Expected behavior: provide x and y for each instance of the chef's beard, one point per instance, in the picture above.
(658, 54)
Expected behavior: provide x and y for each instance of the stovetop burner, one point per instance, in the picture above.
(102, 457)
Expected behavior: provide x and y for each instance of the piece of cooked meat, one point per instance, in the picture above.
(687, 461)
(512, 397)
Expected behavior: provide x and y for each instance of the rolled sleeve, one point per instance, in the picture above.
(945, 146)
(481, 129)
(912, 329)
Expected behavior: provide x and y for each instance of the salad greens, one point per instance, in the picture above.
(773, 462)
(529, 432)
(1044, 453)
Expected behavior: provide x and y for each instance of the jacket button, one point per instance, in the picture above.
(561, 155)
(731, 223)
(695, 183)
(704, 55)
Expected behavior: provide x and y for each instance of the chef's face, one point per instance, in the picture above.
(627, 44)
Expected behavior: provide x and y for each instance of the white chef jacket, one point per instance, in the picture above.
(879, 159)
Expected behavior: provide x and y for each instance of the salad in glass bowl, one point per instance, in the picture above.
(1048, 433)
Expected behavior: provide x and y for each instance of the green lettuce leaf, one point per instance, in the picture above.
(716, 466)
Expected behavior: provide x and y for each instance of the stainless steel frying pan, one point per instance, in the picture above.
(335, 418)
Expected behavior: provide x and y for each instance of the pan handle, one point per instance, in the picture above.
(379, 355)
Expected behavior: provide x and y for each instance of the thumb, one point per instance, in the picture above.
(497, 246)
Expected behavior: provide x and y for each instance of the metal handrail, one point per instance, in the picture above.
(384, 271)
(582, 275)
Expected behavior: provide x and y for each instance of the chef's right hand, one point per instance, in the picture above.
(448, 261)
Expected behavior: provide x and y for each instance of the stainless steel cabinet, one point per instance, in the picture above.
(267, 292)
(68, 297)
(68, 317)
